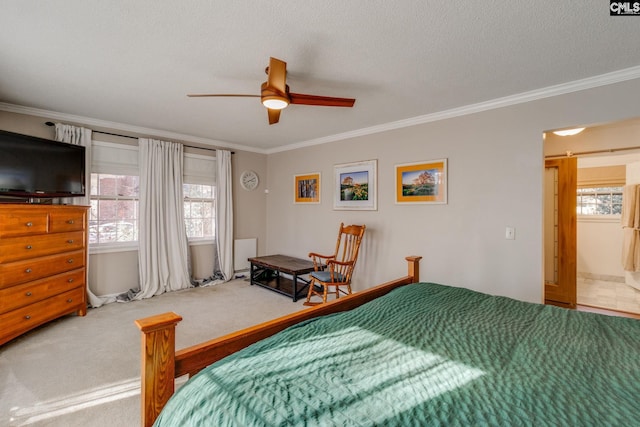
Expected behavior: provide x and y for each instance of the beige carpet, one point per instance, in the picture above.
(84, 371)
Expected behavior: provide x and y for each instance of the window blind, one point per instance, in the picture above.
(122, 159)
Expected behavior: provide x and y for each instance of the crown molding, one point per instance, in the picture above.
(521, 98)
(122, 127)
(548, 92)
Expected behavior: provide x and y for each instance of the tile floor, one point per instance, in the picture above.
(610, 295)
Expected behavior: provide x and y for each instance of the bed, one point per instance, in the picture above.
(404, 353)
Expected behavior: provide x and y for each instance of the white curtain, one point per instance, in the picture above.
(81, 136)
(78, 136)
(224, 213)
(163, 251)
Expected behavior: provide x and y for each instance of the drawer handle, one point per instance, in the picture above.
(70, 300)
(27, 317)
(28, 294)
(70, 261)
(29, 224)
(70, 280)
(29, 247)
(70, 221)
(28, 270)
(70, 241)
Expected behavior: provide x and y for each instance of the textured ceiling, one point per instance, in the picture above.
(133, 62)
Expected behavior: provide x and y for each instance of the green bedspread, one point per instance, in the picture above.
(427, 354)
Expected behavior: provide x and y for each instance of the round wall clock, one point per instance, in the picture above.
(249, 180)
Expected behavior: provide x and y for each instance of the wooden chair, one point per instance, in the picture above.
(336, 270)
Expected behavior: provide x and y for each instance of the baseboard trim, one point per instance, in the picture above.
(603, 277)
(606, 311)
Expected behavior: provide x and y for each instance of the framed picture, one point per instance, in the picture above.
(306, 188)
(423, 182)
(355, 186)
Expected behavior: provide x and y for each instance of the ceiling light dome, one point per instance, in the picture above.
(568, 132)
(275, 102)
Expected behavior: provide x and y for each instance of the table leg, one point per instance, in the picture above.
(269, 276)
(295, 287)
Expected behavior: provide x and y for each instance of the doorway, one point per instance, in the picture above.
(602, 280)
(599, 276)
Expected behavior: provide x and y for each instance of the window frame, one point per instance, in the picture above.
(202, 240)
(611, 192)
(122, 159)
(105, 247)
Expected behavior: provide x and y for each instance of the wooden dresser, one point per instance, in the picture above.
(43, 253)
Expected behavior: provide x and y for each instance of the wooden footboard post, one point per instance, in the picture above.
(413, 264)
(158, 363)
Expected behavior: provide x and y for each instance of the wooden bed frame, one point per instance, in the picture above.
(161, 364)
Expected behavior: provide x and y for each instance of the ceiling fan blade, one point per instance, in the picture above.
(275, 95)
(300, 98)
(274, 116)
(202, 95)
(277, 75)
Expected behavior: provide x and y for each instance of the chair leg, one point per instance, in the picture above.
(310, 291)
(325, 292)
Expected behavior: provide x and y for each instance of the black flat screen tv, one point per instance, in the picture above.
(32, 167)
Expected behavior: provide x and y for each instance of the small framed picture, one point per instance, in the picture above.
(422, 182)
(355, 186)
(306, 188)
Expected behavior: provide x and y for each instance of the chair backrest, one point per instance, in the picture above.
(347, 248)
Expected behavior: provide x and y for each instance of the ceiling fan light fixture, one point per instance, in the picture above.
(568, 132)
(275, 95)
(275, 103)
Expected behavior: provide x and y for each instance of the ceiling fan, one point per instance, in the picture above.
(275, 94)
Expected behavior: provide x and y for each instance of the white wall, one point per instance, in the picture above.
(600, 247)
(495, 180)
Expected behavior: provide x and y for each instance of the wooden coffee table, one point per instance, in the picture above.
(266, 271)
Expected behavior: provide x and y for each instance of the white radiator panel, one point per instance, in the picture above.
(243, 249)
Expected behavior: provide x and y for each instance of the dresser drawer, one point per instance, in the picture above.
(17, 248)
(18, 321)
(67, 220)
(28, 293)
(23, 222)
(16, 272)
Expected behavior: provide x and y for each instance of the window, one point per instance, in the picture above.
(599, 201)
(114, 208)
(199, 194)
(199, 210)
(114, 216)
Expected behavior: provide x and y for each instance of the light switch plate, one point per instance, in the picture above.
(510, 233)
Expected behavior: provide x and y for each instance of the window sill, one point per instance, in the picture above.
(201, 241)
(133, 246)
(599, 218)
(113, 247)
